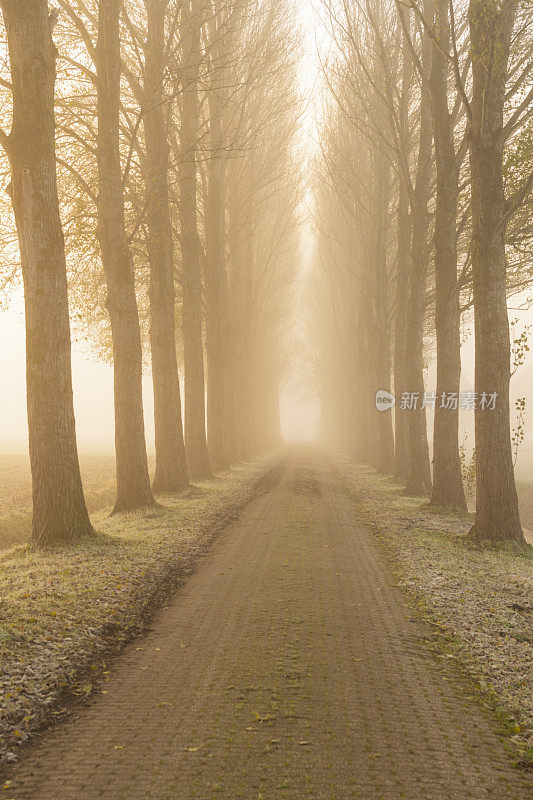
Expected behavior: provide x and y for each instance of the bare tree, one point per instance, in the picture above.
(263, 192)
(419, 481)
(133, 483)
(491, 29)
(171, 464)
(191, 248)
(448, 487)
(403, 224)
(218, 411)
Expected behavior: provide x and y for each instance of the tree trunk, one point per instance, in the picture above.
(59, 511)
(215, 257)
(419, 467)
(385, 460)
(401, 427)
(193, 352)
(366, 334)
(447, 480)
(228, 344)
(355, 406)
(133, 483)
(170, 461)
(497, 517)
(240, 254)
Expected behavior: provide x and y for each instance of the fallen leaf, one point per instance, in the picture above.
(264, 718)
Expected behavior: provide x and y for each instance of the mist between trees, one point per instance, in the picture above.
(156, 168)
(422, 219)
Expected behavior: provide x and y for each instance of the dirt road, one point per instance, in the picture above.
(289, 666)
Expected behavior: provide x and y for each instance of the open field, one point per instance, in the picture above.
(98, 473)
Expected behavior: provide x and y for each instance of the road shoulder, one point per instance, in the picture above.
(478, 601)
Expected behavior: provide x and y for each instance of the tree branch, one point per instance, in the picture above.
(81, 28)
(515, 120)
(517, 200)
(5, 141)
(78, 178)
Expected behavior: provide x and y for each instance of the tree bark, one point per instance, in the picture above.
(385, 460)
(241, 258)
(447, 480)
(228, 344)
(419, 467)
(193, 352)
(220, 404)
(401, 427)
(133, 483)
(497, 517)
(59, 511)
(170, 460)
(366, 334)
(215, 256)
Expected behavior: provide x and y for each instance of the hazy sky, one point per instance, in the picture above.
(93, 382)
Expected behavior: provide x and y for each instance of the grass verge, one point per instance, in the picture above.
(61, 612)
(479, 600)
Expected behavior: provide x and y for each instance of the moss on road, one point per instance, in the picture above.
(289, 666)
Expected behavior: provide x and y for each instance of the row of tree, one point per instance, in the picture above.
(151, 176)
(421, 216)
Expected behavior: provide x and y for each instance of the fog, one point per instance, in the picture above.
(93, 397)
(321, 280)
(266, 408)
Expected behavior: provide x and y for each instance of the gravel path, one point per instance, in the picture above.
(289, 666)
